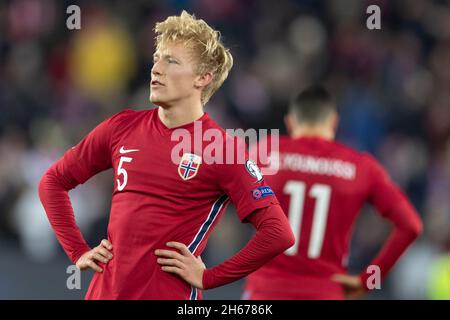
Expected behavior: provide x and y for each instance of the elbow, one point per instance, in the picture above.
(49, 183)
(279, 237)
(410, 221)
(285, 235)
(290, 239)
(275, 228)
(42, 184)
(286, 238)
(288, 234)
(416, 229)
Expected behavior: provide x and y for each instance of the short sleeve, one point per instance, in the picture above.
(244, 183)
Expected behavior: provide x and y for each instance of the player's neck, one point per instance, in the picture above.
(176, 116)
(313, 132)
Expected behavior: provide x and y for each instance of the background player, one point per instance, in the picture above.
(322, 186)
(157, 202)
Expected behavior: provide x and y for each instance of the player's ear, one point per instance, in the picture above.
(203, 80)
(335, 121)
(288, 123)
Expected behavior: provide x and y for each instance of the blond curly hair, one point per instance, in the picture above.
(205, 43)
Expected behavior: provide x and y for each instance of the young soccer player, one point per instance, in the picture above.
(162, 211)
(322, 186)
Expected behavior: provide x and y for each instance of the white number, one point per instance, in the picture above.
(322, 194)
(297, 192)
(120, 171)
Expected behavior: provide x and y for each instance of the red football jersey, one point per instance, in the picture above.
(156, 201)
(322, 186)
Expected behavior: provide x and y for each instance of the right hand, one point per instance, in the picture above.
(100, 253)
(352, 285)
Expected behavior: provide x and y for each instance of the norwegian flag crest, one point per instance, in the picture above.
(189, 166)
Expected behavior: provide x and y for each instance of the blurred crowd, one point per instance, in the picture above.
(392, 87)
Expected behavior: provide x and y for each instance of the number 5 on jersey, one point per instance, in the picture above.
(122, 171)
(322, 194)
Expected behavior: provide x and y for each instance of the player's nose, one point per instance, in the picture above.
(156, 69)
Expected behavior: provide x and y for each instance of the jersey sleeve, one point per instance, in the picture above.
(93, 154)
(273, 236)
(384, 194)
(87, 158)
(244, 183)
(393, 205)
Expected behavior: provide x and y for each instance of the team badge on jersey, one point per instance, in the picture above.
(189, 166)
(253, 170)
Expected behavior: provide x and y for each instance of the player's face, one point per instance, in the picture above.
(173, 75)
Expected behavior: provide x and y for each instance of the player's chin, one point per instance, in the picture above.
(154, 99)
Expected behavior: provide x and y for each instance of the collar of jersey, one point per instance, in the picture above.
(188, 126)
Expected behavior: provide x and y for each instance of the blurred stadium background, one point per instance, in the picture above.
(392, 86)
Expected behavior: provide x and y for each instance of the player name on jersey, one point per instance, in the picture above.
(316, 165)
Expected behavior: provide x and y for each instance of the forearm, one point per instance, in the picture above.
(273, 236)
(53, 192)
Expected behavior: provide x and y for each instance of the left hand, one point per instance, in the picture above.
(352, 285)
(182, 263)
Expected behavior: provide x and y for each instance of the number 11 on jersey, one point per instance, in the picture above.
(322, 194)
